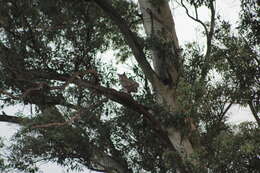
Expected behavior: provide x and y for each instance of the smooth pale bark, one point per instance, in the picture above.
(159, 24)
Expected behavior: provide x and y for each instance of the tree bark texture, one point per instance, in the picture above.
(159, 26)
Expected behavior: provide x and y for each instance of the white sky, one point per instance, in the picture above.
(186, 31)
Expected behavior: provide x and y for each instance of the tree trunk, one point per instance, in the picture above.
(159, 26)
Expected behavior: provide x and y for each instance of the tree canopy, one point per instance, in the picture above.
(55, 60)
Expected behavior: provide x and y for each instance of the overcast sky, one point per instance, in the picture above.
(186, 31)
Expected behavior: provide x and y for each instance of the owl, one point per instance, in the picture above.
(127, 84)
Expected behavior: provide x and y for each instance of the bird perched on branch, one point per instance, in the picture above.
(128, 85)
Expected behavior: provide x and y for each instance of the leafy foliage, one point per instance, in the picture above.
(241, 146)
(250, 20)
(46, 47)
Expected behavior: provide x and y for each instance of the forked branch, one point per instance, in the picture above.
(209, 32)
(196, 19)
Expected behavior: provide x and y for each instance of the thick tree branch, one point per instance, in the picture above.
(119, 97)
(130, 38)
(112, 94)
(11, 119)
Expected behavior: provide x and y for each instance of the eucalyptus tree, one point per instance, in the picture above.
(54, 58)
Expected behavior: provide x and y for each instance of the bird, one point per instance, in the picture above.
(127, 84)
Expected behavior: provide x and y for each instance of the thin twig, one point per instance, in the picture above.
(209, 33)
(225, 111)
(195, 19)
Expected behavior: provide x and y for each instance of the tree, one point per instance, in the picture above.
(52, 57)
